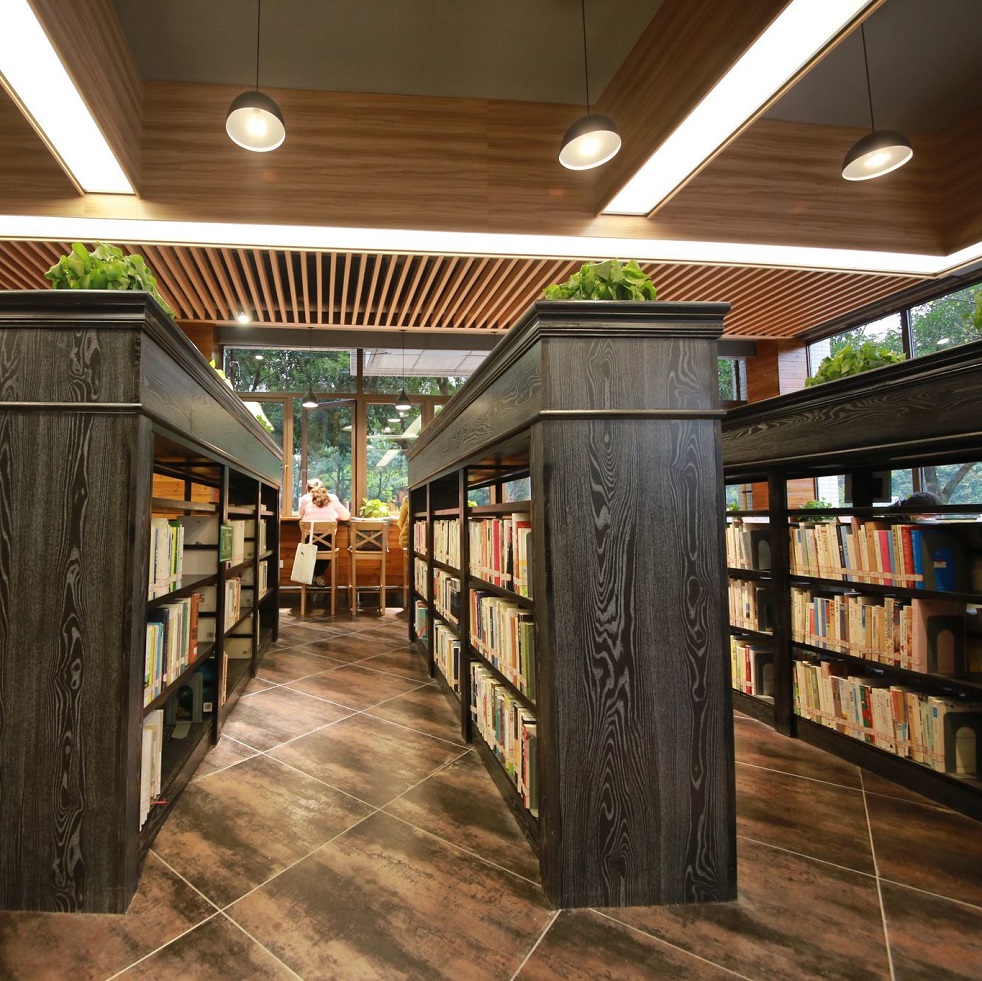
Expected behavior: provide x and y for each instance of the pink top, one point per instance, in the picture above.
(334, 510)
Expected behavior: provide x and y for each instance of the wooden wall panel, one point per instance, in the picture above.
(960, 181)
(789, 190)
(89, 38)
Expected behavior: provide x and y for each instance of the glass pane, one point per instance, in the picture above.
(518, 490)
(946, 321)
(423, 372)
(389, 434)
(955, 483)
(885, 332)
(273, 413)
(728, 390)
(328, 449)
(282, 370)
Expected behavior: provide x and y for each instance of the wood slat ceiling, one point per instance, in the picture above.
(283, 288)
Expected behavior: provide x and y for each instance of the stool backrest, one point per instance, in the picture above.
(323, 534)
(369, 535)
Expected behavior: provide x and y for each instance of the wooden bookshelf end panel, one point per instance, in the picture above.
(635, 710)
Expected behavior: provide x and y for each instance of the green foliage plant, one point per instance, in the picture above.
(607, 280)
(818, 506)
(104, 268)
(850, 360)
(373, 508)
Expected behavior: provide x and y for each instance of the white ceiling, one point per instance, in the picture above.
(529, 50)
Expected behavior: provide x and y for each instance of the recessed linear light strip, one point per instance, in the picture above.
(419, 242)
(792, 40)
(33, 74)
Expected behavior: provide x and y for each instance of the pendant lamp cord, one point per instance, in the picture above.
(403, 358)
(259, 17)
(869, 90)
(586, 69)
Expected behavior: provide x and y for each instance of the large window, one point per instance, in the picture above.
(884, 332)
(354, 439)
(945, 321)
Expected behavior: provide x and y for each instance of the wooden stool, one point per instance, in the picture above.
(368, 544)
(323, 534)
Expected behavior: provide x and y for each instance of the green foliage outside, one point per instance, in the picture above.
(104, 268)
(373, 508)
(848, 360)
(817, 505)
(947, 321)
(607, 280)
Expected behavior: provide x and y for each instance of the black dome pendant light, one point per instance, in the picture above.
(594, 138)
(254, 120)
(880, 151)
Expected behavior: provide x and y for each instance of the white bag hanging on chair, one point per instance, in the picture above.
(303, 563)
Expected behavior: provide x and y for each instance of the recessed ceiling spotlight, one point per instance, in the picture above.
(243, 317)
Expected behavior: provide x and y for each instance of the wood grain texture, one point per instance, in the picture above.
(636, 754)
(957, 153)
(89, 39)
(891, 411)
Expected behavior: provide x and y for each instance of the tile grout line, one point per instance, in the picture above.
(164, 946)
(535, 946)
(259, 943)
(810, 858)
(800, 776)
(879, 884)
(661, 940)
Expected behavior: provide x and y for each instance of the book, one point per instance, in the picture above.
(938, 636)
(941, 554)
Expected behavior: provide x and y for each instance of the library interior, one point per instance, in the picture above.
(488, 491)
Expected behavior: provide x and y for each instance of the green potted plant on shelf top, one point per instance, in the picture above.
(607, 280)
(849, 360)
(104, 268)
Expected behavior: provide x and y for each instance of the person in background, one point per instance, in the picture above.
(920, 499)
(403, 495)
(323, 506)
(304, 501)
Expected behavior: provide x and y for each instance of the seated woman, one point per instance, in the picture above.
(323, 506)
(305, 500)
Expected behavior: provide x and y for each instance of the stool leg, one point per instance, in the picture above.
(381, 590)
(303, 601)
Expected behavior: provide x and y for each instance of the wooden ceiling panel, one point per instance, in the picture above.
(395, 291)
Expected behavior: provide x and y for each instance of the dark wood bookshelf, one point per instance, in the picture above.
(922, 412)
(506, 787)
(542, 406)
(503, 679)
(452, 570)
(755, 706)
(125, 410)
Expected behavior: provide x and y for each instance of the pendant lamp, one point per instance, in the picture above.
(402, 403)
(594, 138)
(254, 120)
(880, 151)
(309, 400)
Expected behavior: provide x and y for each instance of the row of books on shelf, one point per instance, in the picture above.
(421, 578)
(150, 759)
(233, 601)
(510, 730)
(172, 557)
(748, 546)
(500, 552)
(446, 595)
(927, 635)
(751, 605)
(752, 667)
(504, 634)
(446, 654)
(942, 732)
(446, 542)
(172, 643)
(941, 557)
(419, 537)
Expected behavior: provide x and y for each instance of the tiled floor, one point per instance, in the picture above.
(341, 829)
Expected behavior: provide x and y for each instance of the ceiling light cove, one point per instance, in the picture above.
(791, 41)
(31, 71)
(424, 242)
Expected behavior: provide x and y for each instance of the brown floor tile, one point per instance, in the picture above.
(381, 901)
(354, 686)
(350, 647)
(368, 758)
(759, 745)
(226, 753)
(928, 848)
(292, 664)
(584, 946)
(277, 715)
(216, 949)
(795, 918)
(401, 662)
(232, 830)
(425, 709)
(873, 783)
(50, 946)
(932, 939)
(295, 634)
(461, 804)
(821, 820)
